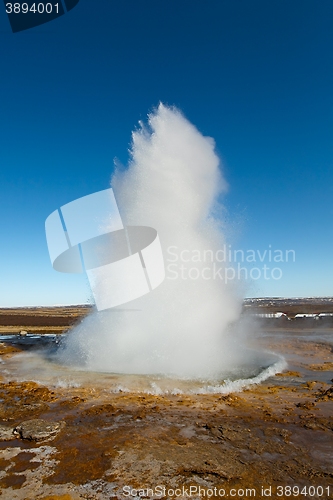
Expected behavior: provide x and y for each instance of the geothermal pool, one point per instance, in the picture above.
(39, 361)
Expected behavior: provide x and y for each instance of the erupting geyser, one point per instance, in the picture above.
(186, 326)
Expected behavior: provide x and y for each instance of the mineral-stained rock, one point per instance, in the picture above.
(38, 429)
(325, 395)
(6, 433)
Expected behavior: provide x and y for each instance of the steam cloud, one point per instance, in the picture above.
(184, 327)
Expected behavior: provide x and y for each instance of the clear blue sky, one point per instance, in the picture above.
(256, 75)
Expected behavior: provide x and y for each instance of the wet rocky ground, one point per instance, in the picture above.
(271, 440)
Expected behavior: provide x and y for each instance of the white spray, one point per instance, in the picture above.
(183, 328)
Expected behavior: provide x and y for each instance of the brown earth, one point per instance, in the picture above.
(291, 307)
(41, 319)
(275, 435)
(59, 319)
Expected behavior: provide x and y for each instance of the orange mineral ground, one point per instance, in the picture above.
(82, 441)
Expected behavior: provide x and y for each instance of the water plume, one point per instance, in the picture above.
(187, 327)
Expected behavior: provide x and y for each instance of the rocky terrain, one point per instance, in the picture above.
(88, 443)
